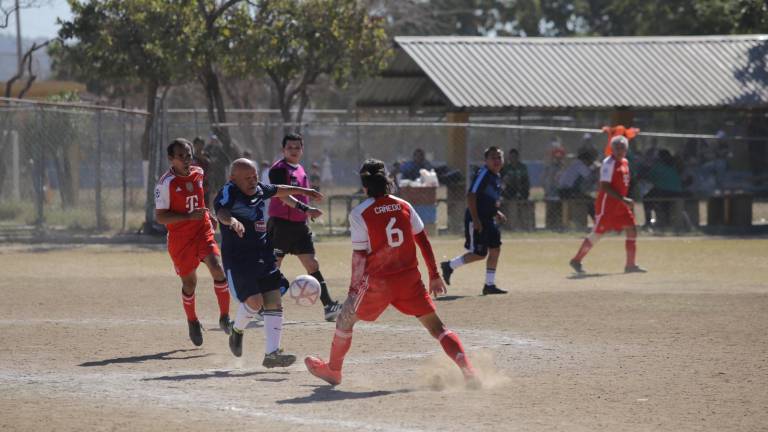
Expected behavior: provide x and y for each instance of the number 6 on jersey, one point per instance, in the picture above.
(394, 235)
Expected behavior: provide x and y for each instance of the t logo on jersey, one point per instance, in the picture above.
(191, 203)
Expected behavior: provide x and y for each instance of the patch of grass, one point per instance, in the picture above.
(11, 210)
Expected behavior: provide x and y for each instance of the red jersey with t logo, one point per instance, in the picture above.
(615, 172)
(182, 195)
(385, 227)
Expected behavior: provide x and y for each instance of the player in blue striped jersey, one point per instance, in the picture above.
(481, 230)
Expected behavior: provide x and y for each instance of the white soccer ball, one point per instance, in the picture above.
(304, 290)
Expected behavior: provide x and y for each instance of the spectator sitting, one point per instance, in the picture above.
(667, 183)
(552, 172)
(578, 180)
(516, 184)
(410, 169)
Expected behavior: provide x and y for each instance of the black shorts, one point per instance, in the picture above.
(289, 237)
(244, 281)
(479, 242)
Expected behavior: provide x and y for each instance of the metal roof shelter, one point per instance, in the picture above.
(476, 74)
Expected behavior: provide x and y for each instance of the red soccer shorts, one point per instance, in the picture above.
(188, 251)
(405, 291)
(615, 221)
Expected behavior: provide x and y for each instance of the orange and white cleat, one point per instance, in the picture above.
(320, 369)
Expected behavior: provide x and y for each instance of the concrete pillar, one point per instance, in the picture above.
(456, 156)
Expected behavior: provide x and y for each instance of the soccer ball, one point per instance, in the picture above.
(304, 290)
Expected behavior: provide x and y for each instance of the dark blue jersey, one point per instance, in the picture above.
(254, 249)
(487, 188)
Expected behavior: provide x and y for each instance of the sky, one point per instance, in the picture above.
(39, 21)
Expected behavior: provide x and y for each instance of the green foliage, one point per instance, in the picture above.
(576, 17)
(119, 41)
(295, 42)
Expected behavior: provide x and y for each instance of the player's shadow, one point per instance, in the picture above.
(142, 358)
(218, 374)
(591, 275)
(449, 297)
(327, 393)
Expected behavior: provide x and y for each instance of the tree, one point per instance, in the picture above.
(212, 26)
(295, 42)
(129, 42)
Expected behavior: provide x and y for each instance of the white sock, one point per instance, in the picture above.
(490, 276)
(457, 262)
(273, 326)
(243, 316)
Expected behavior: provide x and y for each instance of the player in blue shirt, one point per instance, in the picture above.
(480, 222)
(249, 258)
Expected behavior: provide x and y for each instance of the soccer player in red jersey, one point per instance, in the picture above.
(613, 209)
(385, 233)
(180, 206)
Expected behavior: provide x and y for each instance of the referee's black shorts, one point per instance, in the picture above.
(290, 237)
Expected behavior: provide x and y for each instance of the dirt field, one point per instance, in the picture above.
(94, 338)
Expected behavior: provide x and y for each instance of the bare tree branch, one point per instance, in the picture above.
(26, 60)
(8, 8)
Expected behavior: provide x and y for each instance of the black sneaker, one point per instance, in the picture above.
(445, 266)
(225, 323)
(278, 359)
(576, 266)
(195, 332)
(635, 269)
(236, 341)
(492, 289)
(332, 310)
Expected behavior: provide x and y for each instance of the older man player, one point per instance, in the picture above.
(613, 208)
(249, 256)
(180, 206)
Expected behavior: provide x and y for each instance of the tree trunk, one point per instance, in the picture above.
(303, 102)
(217, 109)
(152, 87)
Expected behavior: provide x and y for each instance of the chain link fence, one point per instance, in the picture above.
(70, 167)
(82, 168)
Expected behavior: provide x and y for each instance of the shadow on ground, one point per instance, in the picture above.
(219, 374)
(328, 393)
(142, 358)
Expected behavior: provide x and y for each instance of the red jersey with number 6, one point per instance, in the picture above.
(182, 195)
(384, 227)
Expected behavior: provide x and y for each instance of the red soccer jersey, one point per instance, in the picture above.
(182, 195)
(617, 174)
(385, 227)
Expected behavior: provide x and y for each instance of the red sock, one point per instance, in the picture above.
(221, 288)
(585, 247)
(189, 306)
(342, 340)
(452, 346)
(631, 246)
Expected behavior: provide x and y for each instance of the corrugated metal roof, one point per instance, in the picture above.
(396, 91)
(594, 73)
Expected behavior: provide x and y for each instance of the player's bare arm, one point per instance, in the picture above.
(472, 206)
(166, 216)
(501, 217)
(312, 212)
(436, 285)
(608, 189)
(225, 217)
(285, 191)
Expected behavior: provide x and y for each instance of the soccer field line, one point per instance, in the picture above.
(123, 388)
(483, 336)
